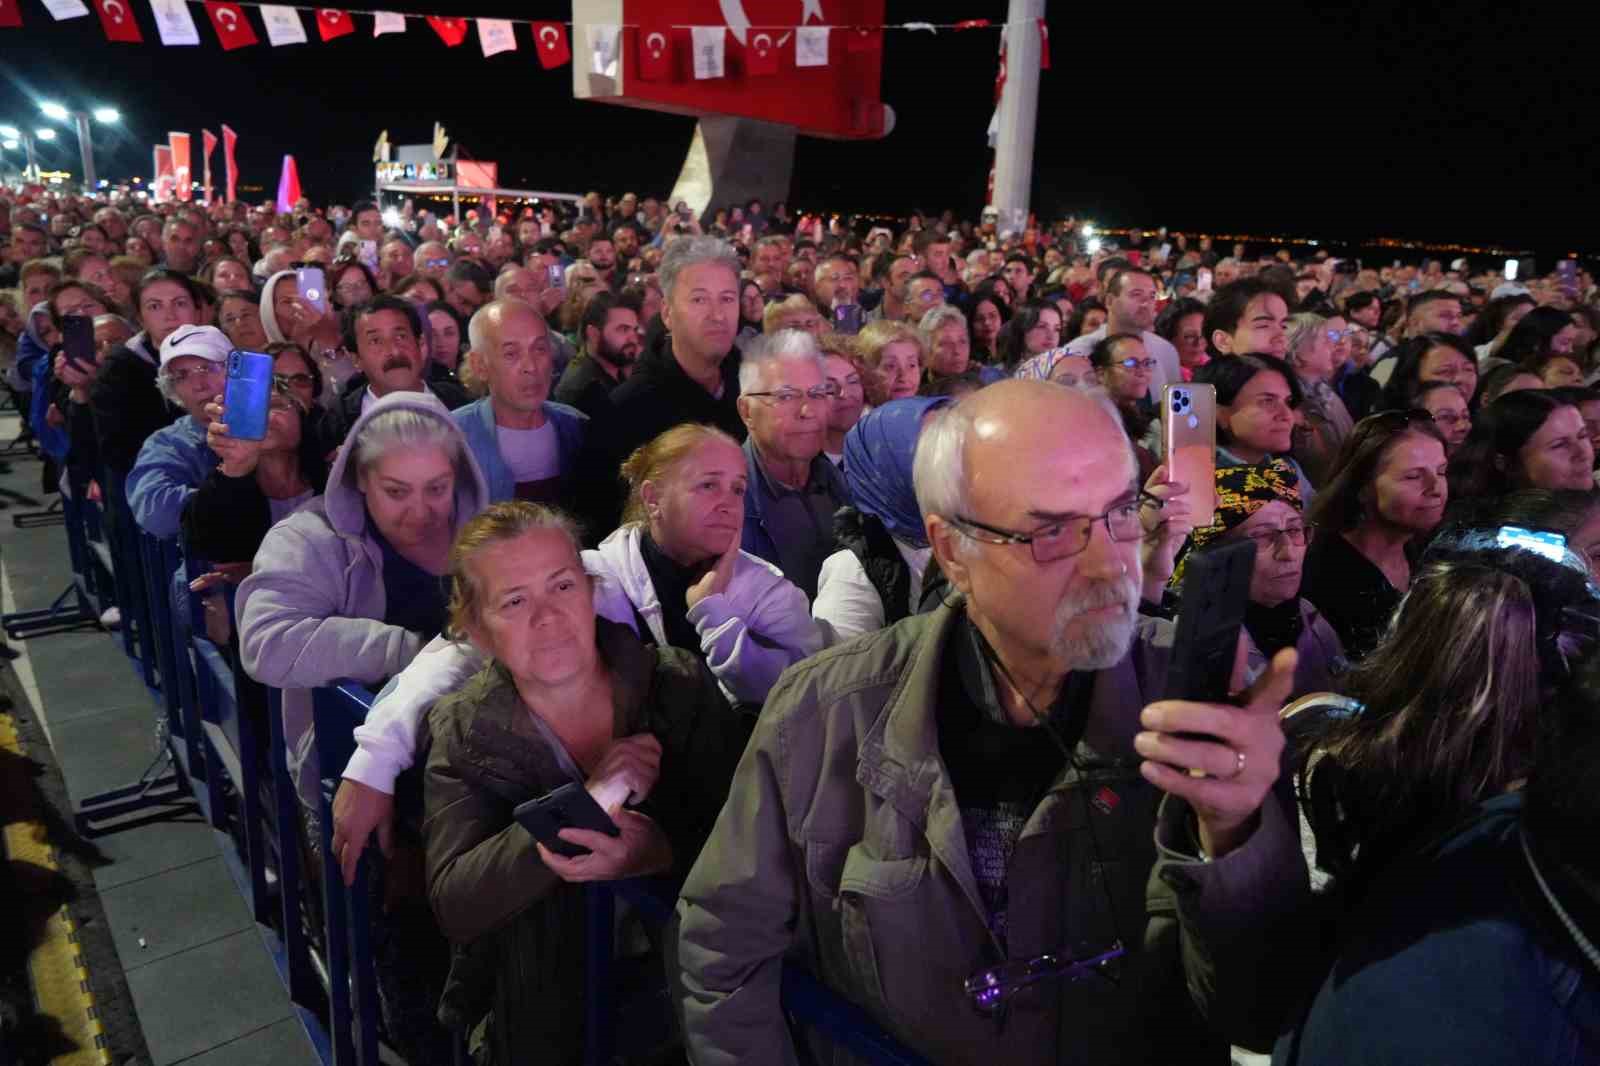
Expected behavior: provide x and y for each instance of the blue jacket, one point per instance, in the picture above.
(1454, 956)
(757, 538)
(171, 465)
(477, 425)
(52, 440)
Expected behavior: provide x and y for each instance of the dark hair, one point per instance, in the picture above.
(1338, 506)
(73, 283)
(411, 281)
(1010, 347)
(1487, 326)
(1358, 300)
(1114, 286)
(1537, 364)
(1532, 336)
(1561, 511)
(1105, 349)
(338, 268)
(460, 320)
(277, 348)
(1074, 327)
(1401, 390)
(359, 209)
(157, 274)
(1229, 374)
(601, 304)
(385, 302)
(1485, 464)
(1229, 304)
(926, 238)
(1110, 265)
(1429, 296)
(1175, 312)
(473, 273)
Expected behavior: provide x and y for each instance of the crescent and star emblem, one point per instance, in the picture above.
(739, 22)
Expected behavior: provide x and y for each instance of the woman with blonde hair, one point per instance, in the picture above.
(1325, 421)
(894, 352)
(563, 698)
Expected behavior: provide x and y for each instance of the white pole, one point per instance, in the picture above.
(1019, 114)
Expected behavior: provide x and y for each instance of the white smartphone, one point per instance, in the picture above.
(1511, 270)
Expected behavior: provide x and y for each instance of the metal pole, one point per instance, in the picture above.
(86, 150)
(1019, 113)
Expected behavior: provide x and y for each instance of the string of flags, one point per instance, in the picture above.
(808, 44)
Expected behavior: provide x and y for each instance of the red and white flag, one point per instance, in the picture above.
(554, 51)
(232, 28)
(208, 144)
(1044, 46)
(161, 183)
(333, 23)
(182, 178)
(863, 39)
(116, 18)
(230, 168)
(761, 55)
(11, 16)
(655, 55)
(174, 23)
(450, 30)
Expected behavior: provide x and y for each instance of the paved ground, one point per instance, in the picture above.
(201, 983)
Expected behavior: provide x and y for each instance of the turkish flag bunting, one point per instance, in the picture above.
(229, 139)
(451, 31)
(208, 141)
(332, 23)
(10, 16)
(972, 24)
(655, 54)
(232, 29)
(863, 39)
(1044, 46)
(761, 55)
(551, 38)
(116, 18)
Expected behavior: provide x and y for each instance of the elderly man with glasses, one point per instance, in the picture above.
(785, 399)
(954, 821)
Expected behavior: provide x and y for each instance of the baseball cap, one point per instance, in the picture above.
(206, 342)
(1509, 288)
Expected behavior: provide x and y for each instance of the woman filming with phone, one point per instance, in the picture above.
(566, 699)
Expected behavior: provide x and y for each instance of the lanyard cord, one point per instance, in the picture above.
(1585, 945)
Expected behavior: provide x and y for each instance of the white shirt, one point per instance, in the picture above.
(530, 454)
(1167, 369)
(368, 398)
(848, 604)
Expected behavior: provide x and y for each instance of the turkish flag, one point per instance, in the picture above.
(208, 140)
(229, 139)
(184, 187)
(332, 23)
(551, 37)
(761, 55)
(1044, 46)
(232, 29)
(10, 16)
(863, 39)
(116, 18)
(655, 54)
(451, 31)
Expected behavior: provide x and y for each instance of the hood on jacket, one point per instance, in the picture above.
(269, 314)
(342, 501)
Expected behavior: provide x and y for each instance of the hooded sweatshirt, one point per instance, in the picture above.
(311, 612)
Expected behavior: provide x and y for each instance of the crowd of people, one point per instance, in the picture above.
(840, 564)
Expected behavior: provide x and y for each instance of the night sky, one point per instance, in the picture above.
(1343, 122)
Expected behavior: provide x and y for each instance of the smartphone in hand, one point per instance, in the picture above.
(77, 342)
(1189, 437)
(313, 286)
(247, 397)
(568, 807)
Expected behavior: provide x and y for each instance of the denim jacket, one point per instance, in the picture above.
(476, 420)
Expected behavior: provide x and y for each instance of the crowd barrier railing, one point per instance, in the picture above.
(223, 749)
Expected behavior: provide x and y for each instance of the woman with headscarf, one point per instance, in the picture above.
(876, 578)
(287, 317)
(1262, 503)
(1058, 365)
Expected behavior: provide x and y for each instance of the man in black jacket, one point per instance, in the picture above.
(686, 376)
(611, 346)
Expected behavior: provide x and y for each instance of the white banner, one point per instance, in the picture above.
(387, 22)
(66, 9)
(496, 36)
(710, 51)
(283, 24)
(603, 50)
(174, 23)
(811, 46)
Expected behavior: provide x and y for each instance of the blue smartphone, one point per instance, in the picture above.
(247, 397)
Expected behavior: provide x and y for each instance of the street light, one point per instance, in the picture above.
(45, 134)
(85, 140)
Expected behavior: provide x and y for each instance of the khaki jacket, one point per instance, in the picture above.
(841, 847)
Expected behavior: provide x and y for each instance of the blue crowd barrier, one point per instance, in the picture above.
(224, 758)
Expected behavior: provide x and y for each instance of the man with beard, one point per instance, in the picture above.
(389, 351)
(937, 817)
(526, 446)
(603, 257)
(1131, 308)
(612, 339)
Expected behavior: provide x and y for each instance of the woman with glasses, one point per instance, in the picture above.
(1387, 490)
(1530, 439)
(1432, 357)
(1314, 354)
(1257, 396)
(1450, 413)
(292, 367)
(1262, 503)
(1124, 369)
(350, 284)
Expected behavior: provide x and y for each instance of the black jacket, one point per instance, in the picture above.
(658, 396)
(126, 406)
(868, 540)
(586, 386)
(332, 424)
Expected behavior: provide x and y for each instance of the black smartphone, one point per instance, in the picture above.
(77, 341)
(568, 807)
(247, 396)
(848, 318)
(1216, 592)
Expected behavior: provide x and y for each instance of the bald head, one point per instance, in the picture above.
(490, 320)
(1037, 430)
(511, 355)
(519, 283)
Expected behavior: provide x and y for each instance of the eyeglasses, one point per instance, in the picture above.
(1137, 364)
(436, 263)
(229, 321)
(206, 370)
(1295, 533)
(1451, 418)
(284, 381)
(991, 989)
(1449, 372)
(787, 397)
(1062, 540)
(1337, 335)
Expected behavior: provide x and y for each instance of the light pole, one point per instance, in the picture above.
(14, 136)
(107, 115)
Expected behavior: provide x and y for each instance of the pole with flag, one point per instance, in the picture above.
(288, 186)
(208, 144)
(1017, 114)
(230, 169)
